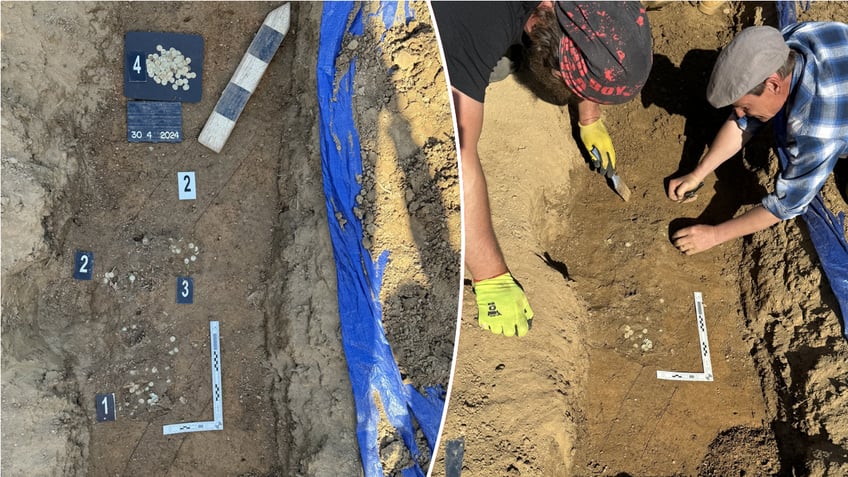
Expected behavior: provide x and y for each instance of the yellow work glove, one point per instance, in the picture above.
(599, 145)
(502, 307)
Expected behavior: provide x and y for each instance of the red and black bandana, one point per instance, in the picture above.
(605, 51)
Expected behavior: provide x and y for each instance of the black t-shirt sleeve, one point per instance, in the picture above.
(474, 36)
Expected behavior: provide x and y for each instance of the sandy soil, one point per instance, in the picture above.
(263, 267)
(410, 200)
(579, 394)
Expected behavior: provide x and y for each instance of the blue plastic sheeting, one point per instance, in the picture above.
(826, 229)
(374, 374)
(786, 11)
(428, 411)
(826, 233)
(388, 12)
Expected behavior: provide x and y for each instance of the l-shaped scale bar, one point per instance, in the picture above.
(217, 422)
(707, 375)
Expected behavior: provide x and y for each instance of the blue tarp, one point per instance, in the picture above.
(826, 233)
(826, 229)
(787, 11)
(374, 374)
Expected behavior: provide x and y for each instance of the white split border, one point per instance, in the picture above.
(707, 375)
(217, 422)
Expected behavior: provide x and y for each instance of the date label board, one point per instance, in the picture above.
(154, 121)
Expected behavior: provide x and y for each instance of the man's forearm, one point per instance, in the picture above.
(588, 112)
(483, 255)
(726, 144)
(697, 238)
(756, 219)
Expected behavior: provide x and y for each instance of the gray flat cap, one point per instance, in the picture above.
(747, 61)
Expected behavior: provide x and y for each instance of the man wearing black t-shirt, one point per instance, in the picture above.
(594, 52)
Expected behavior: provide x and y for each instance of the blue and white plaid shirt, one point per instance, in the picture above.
(817, 112)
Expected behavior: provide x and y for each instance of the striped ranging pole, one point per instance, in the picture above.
(253, 64)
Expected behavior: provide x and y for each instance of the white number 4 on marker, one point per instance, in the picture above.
(186, 185)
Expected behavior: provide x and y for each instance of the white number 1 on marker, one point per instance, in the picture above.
(105, 402)
(137, 64)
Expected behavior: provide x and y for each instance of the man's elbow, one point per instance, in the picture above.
(782, 210)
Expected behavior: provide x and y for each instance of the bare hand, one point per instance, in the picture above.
(694, 239)
(679, 186)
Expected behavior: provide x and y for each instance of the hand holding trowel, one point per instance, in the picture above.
(597, 141)
(609, 172)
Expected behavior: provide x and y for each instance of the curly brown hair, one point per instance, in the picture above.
(542, 54)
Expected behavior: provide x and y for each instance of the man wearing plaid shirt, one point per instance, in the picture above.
(799, 76)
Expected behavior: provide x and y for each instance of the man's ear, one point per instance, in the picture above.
(774, 83)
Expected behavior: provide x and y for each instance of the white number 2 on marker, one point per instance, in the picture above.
(187, 185)
(83, 265)
(137, 64)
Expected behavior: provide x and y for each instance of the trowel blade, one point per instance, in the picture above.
(620, 187)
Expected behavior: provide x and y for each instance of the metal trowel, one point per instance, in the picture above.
(617, 183)
(619, 186)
